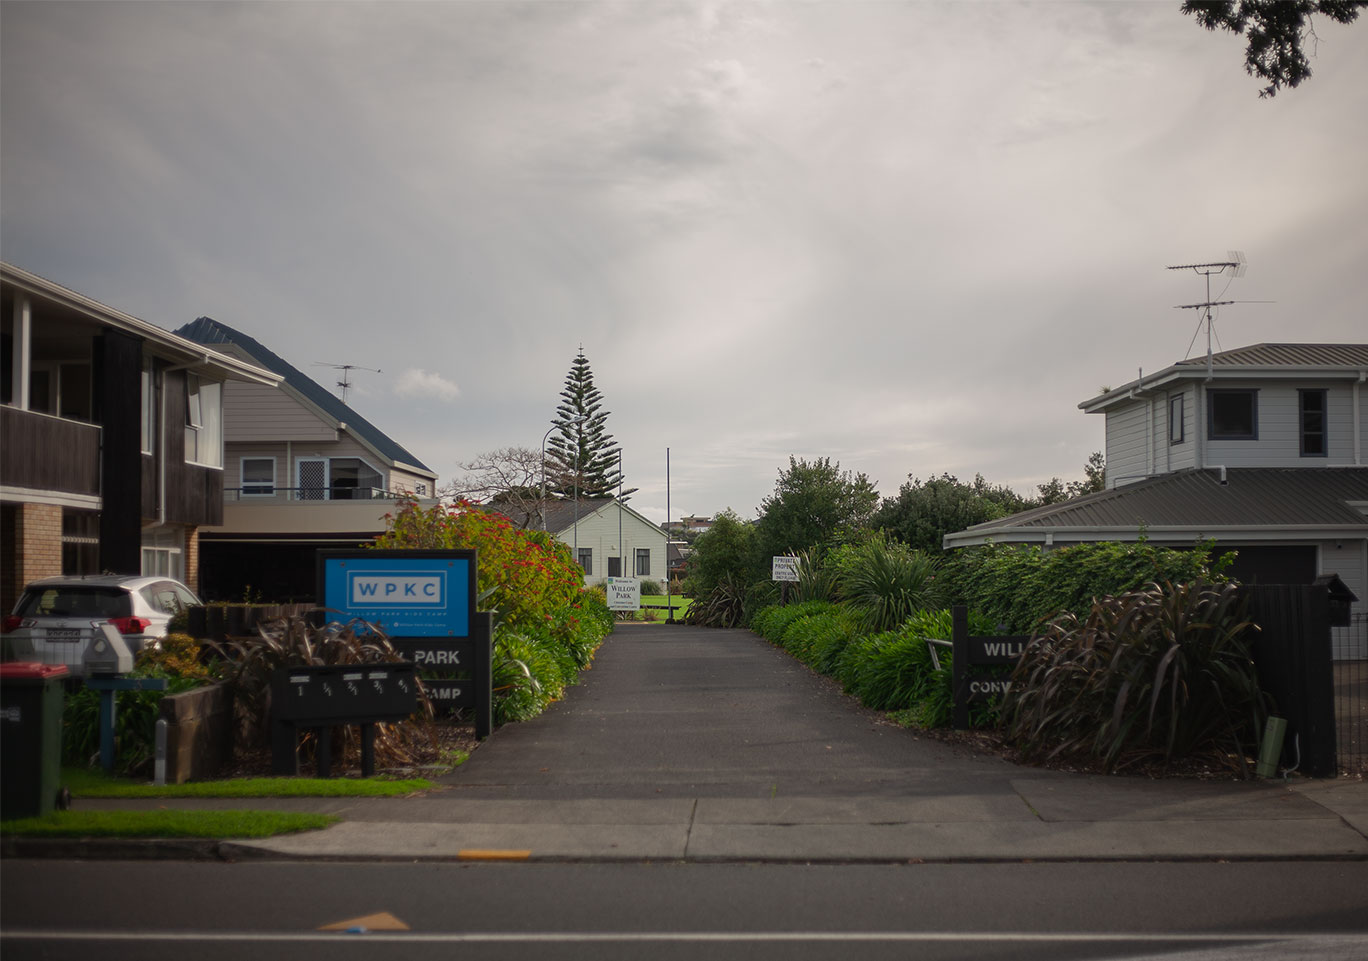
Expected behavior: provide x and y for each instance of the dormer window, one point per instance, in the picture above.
(1233, 414)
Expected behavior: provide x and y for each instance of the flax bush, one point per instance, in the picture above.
(1160, 674)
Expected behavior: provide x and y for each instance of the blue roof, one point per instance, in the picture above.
(210, 332)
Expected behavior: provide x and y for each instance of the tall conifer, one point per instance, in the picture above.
(581, 443)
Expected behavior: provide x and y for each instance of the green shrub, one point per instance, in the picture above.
(1020, 587)
(1161, 673)
(887, 583)
(723, 606)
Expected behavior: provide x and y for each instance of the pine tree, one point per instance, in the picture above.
(580, 444)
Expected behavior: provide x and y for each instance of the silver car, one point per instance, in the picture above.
(58, 616)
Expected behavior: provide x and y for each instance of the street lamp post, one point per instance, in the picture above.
(542, 506)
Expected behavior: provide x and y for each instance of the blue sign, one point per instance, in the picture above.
(406, 593)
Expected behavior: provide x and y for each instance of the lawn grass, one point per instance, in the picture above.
(165, 824)
(85, 783)
(680, 604)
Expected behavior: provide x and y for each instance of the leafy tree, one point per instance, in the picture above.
(724, 551)
(581, 453)
(1095, 479)
(924, 512)
(814, 504)
(1275, 29)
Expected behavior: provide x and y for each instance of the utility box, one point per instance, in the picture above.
(31, 699)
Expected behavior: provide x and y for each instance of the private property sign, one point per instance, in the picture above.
(784, 569)
(624, 594)
(407, 593)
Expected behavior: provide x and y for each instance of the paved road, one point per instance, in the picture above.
(682, 712)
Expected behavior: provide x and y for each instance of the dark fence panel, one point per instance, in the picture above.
(1351, 694)
(1292, 655)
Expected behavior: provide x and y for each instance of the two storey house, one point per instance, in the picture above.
(1263, 449)
(302, 471)
(111, 438)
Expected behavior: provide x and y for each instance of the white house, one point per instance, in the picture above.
(608, 538)
(1262, 449)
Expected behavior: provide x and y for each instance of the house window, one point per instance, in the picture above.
(148, 427)
(1312, 421)
(586, 559)
(643, 561)
(351, 478)
(420, 489)
(80, 541)
(163, 553)
(1233, 414)
(1176, 419)
(203, 422)
(258, 476)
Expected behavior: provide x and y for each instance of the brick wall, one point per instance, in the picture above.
(35, 541)
(192, 558)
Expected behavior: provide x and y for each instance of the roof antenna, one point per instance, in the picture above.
(344, 383)
(1236, 266)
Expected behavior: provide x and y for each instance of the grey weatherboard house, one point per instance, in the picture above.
(1263, 449)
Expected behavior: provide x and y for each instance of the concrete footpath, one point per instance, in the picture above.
(691, 744)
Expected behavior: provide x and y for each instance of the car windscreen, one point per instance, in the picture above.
(63, 601)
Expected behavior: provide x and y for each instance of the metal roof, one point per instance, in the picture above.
(1278, 360)
(1286, 355)
(1252, 498)
(206, 330)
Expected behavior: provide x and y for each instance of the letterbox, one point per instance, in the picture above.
(108, 652)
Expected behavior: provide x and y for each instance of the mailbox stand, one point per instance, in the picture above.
(323, 697)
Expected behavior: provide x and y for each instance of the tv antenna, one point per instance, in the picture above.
(1236, 266)
(346, 369)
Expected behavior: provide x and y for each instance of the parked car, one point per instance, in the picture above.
(58, 616)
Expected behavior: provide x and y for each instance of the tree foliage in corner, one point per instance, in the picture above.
(1276, 31)
(581, 453)
(925, 511)
(814, 504)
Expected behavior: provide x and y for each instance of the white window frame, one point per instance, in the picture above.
(252, 489)
(203, 422)
(163, 553)
(148, 428)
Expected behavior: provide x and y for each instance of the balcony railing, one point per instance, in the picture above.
(49, 453)
(264, 494)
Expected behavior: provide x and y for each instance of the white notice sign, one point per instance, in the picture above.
(624, 594)
(785, 569)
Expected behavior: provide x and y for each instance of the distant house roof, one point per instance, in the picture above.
(1284, 503)
(561, 514)
(208, 331)
(1300, 360)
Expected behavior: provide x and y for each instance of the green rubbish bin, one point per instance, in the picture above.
(31, 739)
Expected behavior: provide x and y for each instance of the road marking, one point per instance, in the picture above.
(492, 854)
(696, 937)
(381, 921)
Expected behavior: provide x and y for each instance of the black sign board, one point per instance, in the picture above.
(449, 693)
(437, 653)
(971, 686)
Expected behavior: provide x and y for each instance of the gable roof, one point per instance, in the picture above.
(1295, 360)
(205, 330)
(561, 516)
(1251, 501)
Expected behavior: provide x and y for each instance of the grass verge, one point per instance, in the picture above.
(85, 783)
(165, 824)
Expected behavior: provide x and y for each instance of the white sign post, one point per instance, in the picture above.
(785, 569)
(624, 594)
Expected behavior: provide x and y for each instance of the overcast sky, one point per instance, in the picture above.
(910, 237)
